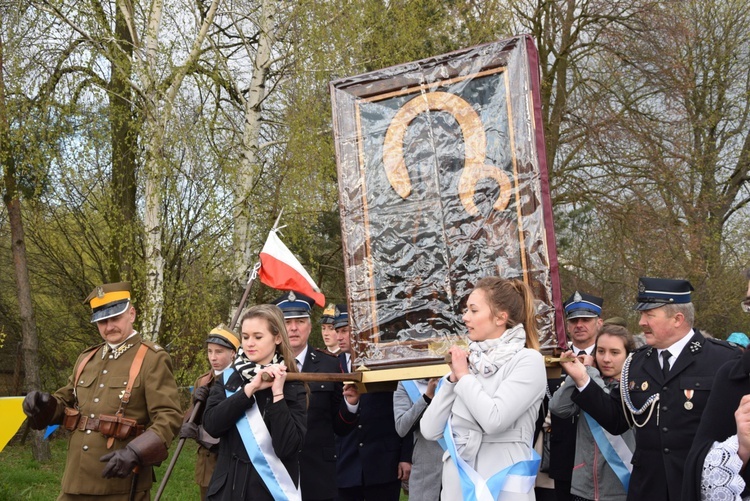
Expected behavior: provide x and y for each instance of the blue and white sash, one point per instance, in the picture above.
(614, 449)
(415, 390)
(257, 441)
(518, 477)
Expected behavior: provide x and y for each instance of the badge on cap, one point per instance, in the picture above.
(292, 296)
(577, 297)
(100, 292)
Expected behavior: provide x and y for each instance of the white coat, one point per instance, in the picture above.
(493, 420)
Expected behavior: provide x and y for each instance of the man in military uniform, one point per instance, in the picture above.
(221, 347)
(373, 459)
(121, 405)
(327, 413)
(583, 314)
(664, 388)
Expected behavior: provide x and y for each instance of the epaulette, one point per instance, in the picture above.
(94, 347)
(152, 345)
(325, 352)
(721, 342)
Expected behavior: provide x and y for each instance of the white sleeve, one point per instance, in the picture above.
(721, 479)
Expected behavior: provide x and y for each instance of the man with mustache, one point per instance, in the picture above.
(664, 388)
(121, 406)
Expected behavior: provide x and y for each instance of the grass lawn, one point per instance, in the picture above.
(22, 478)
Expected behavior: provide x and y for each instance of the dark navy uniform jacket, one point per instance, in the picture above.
(327, 415)
(732, 382)
(370, 454)
(663, 443)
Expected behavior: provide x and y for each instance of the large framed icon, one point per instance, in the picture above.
(442, 181)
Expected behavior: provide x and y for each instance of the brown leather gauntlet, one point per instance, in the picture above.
(150, 448)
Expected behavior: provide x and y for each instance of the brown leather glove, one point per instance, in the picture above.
(40, 407)
(145, 450)
(200, 394)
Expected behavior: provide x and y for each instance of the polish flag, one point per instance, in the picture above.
(281, 270)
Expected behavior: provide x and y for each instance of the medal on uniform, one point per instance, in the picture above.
(631, 385)
(688, 405)
(644, 386)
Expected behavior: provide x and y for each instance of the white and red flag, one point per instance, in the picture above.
(281, 270)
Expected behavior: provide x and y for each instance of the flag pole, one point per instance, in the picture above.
(251, 280)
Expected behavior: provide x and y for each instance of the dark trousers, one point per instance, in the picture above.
(562, 490)
(390, 491)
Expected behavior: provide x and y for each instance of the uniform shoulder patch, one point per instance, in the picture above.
(722, 343)
(152, 345)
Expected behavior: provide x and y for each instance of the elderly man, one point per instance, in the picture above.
(327, 413)
(717, 465)
(121, 405)
(664, 388)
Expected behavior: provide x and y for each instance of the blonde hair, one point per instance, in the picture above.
(515, 298)
(273, 315)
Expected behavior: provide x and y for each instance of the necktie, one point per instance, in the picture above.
(665, 363)
(581, 353)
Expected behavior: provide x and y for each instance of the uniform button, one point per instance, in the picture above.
(664, 408)
(104, 371)
(111, 357)
(88, 432)
(666, 450)
(697, 384)
(80, 382)
(322, 386)
(359, 426)
(361, 444)
(124, 383)
(96, 400)
(665, 388)
(101, 385)
(665, 429)
(85, 447)
(92, 416)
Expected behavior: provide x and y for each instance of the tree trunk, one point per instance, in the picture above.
(11, 197)
(249, 168)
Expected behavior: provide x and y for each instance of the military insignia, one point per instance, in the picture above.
(577, 297)
(631, 386)
(695, 346)
(649, 351)
(337, 313)
(292, 296)
(641, 287)
(644, 386)
(100, 292)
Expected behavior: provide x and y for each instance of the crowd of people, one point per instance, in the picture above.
(669, 420)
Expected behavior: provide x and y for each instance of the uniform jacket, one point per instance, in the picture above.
(662, 444)
(592, 477)
(327, 415)
(493, 419)
(717, 423)
(205, 460)
(235, 478)
(562, 439)
(427, 458)
(154, 403)
(370, 454)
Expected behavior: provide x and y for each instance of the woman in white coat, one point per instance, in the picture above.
(487, 406)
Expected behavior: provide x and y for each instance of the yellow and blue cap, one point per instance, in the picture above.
(223, 337)
(109, 300)
(329, 314)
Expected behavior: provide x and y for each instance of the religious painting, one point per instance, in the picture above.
(442, 181)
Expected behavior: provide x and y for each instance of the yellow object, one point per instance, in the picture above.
(11, 418)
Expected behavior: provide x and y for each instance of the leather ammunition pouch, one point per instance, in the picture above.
(115, 426)
(71, 418)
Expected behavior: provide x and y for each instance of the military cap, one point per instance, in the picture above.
(109, 300)
(656, 292)
(223, 337)
(328, 314)
(582, 305)
(616, 321)
(341, 318)
(294, 304)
